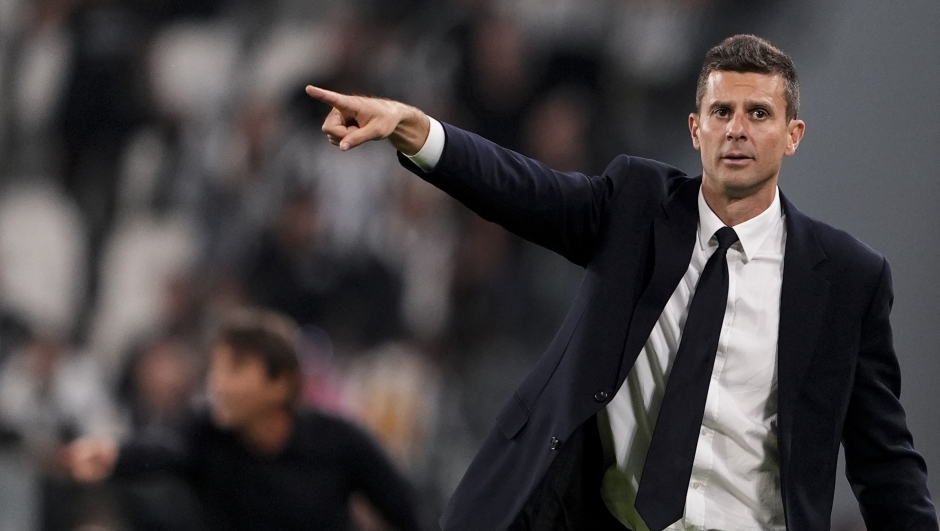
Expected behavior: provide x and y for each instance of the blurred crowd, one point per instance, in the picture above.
(160, 165)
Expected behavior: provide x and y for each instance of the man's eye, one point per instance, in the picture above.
(760, 113)
(721, 113)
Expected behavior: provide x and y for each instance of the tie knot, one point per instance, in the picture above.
(726, 237)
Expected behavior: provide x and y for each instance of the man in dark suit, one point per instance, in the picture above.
(255, 457)
(800, 360)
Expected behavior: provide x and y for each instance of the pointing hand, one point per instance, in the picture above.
(355, 120)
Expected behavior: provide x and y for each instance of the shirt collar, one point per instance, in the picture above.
(751, 234)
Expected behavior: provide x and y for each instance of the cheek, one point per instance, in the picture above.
(224, 387)
(708, 151)
(781, 150)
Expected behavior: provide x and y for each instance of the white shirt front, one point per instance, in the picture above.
(735, 481)
(735, 484)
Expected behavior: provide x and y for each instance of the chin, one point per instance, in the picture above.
(740, 186)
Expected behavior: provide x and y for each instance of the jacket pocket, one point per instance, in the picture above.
(512, 417)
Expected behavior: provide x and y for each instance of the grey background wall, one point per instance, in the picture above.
(871, 164)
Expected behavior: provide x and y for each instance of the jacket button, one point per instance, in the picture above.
(554, 443)
(600, 396)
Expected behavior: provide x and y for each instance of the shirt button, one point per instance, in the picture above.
(554, 443)
(696, 485)
(600, 396)
(704, 431)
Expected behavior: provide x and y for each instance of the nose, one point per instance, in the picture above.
(737, 129)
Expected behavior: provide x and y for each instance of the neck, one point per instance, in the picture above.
(269, 433)
(735, 208)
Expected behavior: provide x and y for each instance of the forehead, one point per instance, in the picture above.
(729, 87)
(224, 355)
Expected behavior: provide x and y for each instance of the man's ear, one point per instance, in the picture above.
(795, 130)
(693, 130)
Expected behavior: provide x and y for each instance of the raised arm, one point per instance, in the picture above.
(560, 211)
(355, 120)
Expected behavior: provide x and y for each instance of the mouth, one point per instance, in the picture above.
(736, 159)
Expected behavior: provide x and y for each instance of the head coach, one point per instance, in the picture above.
(721, 346)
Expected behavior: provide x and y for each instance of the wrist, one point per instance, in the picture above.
(411, 132)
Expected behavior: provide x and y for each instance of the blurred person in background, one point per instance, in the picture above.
(51, 393)
(156, 389)
(575, 447)
(255, 458)
(289, 268)
(160, 379)
(493, 86)
(51, 389)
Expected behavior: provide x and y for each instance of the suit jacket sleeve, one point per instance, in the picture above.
(888, 476)
(560, 211)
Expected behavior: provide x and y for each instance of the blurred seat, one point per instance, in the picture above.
(288, 57)
(43, 249)
(141, 258)
(193, 69)
(41, 78)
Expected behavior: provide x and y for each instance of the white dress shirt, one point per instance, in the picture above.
(430, 153)
(735, 484)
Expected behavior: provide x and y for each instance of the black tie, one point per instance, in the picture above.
(665, 480)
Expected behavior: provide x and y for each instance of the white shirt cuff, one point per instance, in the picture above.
(430, 153)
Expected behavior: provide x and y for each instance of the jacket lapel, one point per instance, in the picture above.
(803, 298)
(673, 238)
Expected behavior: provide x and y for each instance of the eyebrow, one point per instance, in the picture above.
(749, 104)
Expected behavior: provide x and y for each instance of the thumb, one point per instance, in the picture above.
(360, 135)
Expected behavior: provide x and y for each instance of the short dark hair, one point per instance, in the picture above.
(264, 335)
(748, 53)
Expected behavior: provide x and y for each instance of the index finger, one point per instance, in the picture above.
(333, 99)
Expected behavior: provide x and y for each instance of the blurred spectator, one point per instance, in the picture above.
(491, 299)
(394, 391)
(354, 297)
(287, 271)
(157, 388)
(494, 83)
(103, 101)
(257, 459)
(558, 128)
(50, 394)
(420, 240)
(160, 379)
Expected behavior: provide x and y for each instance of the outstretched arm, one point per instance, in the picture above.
(560, 211)
(90, 460)
(355, 120)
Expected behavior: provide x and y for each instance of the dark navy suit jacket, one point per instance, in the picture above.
(632, 229)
